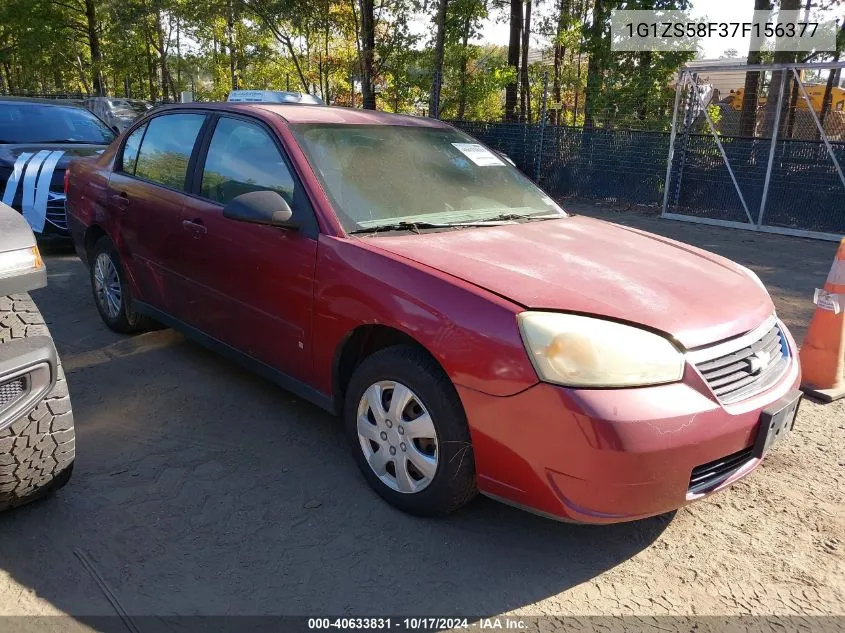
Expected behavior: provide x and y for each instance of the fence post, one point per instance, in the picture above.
(679, 87)
(539, 161)
(689, 118)
(775, 132)
(822, 133)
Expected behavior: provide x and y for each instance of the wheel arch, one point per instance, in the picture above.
(362, 342)
(92, 234)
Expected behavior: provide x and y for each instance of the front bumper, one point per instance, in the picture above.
(28, 371)
(605, 456)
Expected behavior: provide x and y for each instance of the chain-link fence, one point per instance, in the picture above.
(758, 147)
(761, 149)
(625, 166)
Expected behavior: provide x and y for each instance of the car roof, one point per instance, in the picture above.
(67, 103)
(296, 113)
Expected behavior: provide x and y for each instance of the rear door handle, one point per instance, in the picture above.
(196, 227)
(120, 201)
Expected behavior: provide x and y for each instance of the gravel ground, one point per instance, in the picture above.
(201, 489)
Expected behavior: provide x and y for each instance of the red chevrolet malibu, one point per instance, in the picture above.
(474, 336)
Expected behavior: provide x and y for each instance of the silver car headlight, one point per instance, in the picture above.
(580, 351)
(20, 262)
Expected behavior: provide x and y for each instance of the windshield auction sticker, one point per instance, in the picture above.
(478, 154)
(722, 27)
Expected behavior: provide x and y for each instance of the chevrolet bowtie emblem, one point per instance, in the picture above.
(758, 362)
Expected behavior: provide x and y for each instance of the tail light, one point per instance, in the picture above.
(67, 175)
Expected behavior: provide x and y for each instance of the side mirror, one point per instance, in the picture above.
(260, 207)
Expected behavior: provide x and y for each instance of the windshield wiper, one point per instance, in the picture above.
(414, 227)
(508, 217)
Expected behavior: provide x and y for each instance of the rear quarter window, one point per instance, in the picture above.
(130, 150)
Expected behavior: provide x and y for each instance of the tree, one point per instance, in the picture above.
(561, 28)
(751, 91)
(525, 86)
(156, 48)
(94, 45)
(778, 81)
(368, 47)
(514, 51)
(597, 46)
(439, 44)
(833, 76)
(463, 21)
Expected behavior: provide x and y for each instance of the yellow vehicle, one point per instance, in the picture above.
(814, 91)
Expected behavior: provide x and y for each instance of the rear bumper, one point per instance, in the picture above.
(77, 234)
(605, 456)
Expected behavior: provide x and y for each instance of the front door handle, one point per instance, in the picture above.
(196, 227)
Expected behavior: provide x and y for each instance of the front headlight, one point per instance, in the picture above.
(580, 351)
(20, 262)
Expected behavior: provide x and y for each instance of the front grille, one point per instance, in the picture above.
(709, 475)
(56, 212)
(11, 390)
(748, 370)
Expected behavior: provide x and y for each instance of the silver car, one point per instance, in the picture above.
(117, 112)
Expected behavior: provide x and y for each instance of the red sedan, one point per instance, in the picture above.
(473, 335)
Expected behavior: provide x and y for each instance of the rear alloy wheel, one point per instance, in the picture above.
(111, 291)
(107, 285)
(408, 432)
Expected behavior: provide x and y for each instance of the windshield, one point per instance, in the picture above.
(128, 106)
(385, 175)
(41, 123)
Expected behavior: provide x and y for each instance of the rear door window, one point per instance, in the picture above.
(242, 157)
(167, 147)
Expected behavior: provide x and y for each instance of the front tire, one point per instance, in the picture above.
(111, 291)
(37, 449)
(409, 433)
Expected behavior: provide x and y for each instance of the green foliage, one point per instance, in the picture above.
(158, 48)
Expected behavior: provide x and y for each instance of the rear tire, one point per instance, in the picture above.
(111, 291)
(36, 450)
(421, 450)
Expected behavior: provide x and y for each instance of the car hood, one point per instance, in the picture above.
(9, 152)
(580, 264)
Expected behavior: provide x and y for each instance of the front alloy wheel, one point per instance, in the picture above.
(397, 437)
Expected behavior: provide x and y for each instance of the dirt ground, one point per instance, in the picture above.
(201, 489)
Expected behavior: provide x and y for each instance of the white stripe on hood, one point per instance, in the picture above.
(14, 178)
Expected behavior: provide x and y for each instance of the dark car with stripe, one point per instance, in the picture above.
(38, 138)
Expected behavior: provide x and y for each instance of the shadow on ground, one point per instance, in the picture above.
(201, 489)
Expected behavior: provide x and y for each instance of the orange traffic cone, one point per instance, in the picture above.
(823, 353)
